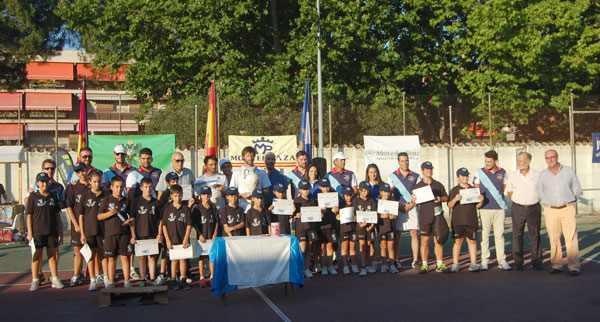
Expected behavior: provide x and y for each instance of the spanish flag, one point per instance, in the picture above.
(210, 141)
(82, 141)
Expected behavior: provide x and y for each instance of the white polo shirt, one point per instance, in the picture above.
(523, 187)
(248, 179)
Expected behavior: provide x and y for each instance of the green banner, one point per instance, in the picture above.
(162, 147)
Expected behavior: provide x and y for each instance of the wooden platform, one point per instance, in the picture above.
(133, 296)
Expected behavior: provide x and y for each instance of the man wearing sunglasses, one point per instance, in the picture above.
(120, 168)
(186, 177)
(86, 156)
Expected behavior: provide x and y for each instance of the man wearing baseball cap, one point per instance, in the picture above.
(427, 212)
(339, 177)
(225, 166)
(120, 168)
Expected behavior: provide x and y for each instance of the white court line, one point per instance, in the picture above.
(589, 259)
(7, 285)
(29, 272)
(269, 303)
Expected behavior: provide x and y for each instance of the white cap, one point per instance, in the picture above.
(120, 149)
(339, 155)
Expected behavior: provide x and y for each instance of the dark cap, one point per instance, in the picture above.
(279, 187)
(426, 165)
(170, 176)
(232, 191)
(205, 190)
(324, 182)
(42, 176)
(364, 185)
(80, 166)
(304, 185)
(385, 187)
(347, 191)
(257, 193)
(462, 172)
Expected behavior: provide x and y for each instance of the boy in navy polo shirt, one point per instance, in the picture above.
(145, 209)
(177, 227)
(464, 221)
(233, 217)
(327, 233)
(365, 231)
(305, 231)
(74, 193)
(284, 220)
(44, 229)
(491, 181)
(206, 220)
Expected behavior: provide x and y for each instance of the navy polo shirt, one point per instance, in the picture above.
(498, 179)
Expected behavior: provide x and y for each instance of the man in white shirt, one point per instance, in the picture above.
(212, 179)
(249, 177)
(521, 188)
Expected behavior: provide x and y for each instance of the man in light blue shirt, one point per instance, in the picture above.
(558, 188)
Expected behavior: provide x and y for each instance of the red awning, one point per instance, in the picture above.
(47, 101)
(10, 131)
(103, 75)
(49, 127)
(11, 101)
(111, 127)
(57, 71)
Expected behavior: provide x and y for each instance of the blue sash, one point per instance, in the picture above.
(487, 183)
(398, 184)
(335, 184)
(294, 178)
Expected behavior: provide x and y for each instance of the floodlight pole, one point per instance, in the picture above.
(320, 152)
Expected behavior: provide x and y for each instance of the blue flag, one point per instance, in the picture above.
(596, 149)
(305, 130)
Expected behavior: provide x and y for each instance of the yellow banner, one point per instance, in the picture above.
(284, 147)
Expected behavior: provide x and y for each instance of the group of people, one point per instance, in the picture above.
(110, 210)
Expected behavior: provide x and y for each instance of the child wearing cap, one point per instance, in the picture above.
(348, 233)
(92, 233)
(386, 231)
(44, 229)
(427, 212)
(258, 219)
(233, 217)
(119, 235)
(464, 221)
(304, 231)
(145, 210)
(327, 233)
(171, 179)
(177, 227)
(284, 220)
(365, 231)
(74, 192)
(206, 221)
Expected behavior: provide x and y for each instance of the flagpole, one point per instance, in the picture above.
(312, 123)
(320, 94)
(218, 125)
(196, 135)
(56, 134)
(330, 135)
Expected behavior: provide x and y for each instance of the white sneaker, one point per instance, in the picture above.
(109, 285)
(415, 265)
(56, 283)
(324, 271)
(474, 267)
(307, 273)
(355, 269)
(346, 270)
(504, 266)
(93, 285)
(393, 269)
(35, 284)
(363, 272)
(133, 274)
(455, 268)
(127, 284)
(484, 265)
(106, 281)
(374, 265)
(159, 281)
(371, 270)
(189, 280)
(99, 279)
(332, 270)
(385, 268)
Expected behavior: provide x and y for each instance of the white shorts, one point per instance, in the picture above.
(408, 221)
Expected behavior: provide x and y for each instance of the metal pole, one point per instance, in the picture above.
(56, 134)
(196, 136)
(403, 113)
(120, 114)
(572, 134)
(218, 134)
(320, 94)
(490, 120)
(330, 134)
(450, 152)
(19, 121)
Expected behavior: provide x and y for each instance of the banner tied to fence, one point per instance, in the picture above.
(383, 151)
(284, 147)
(162, 147)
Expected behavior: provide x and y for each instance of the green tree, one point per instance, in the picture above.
(27, 28)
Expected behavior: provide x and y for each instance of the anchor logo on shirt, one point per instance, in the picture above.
(229, 220)
(90, 203)
(78, 199)
(182, 218)
(255, 222)
(171, 217)
(142, 210)
(111, 206)
(203, 220)
(41, 202)
(152, 210)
